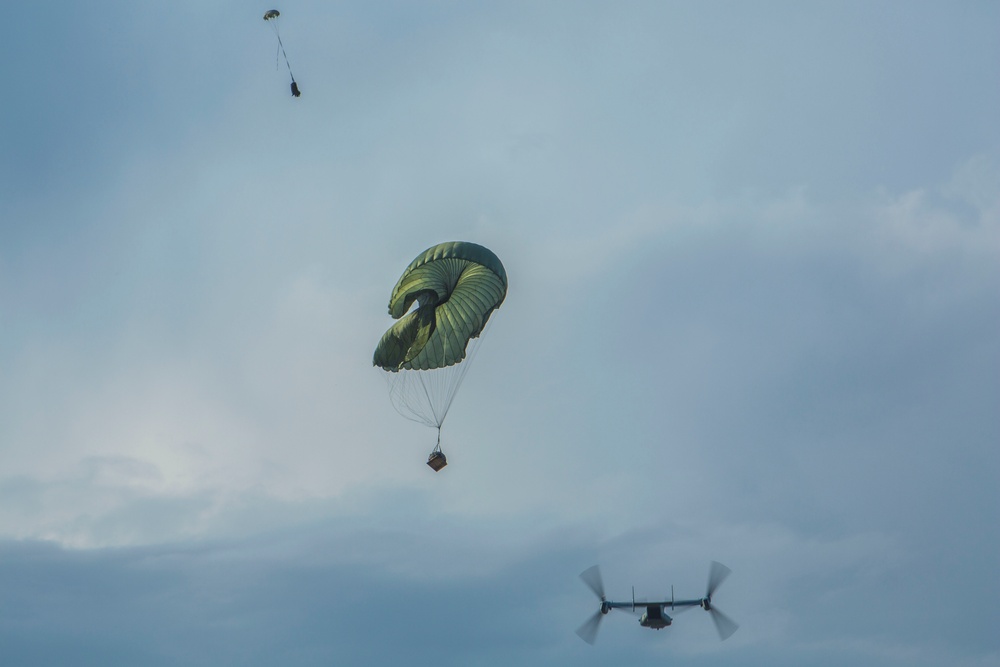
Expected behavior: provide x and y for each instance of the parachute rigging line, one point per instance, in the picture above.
(271, 17)
(425, 397)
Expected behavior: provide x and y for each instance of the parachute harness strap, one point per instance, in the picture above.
(437, 448)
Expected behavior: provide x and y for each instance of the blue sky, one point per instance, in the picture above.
(754, 262)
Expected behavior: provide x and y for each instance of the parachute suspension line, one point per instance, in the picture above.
(437, 448)
(281, 47)
(431, 402)
(272, 18)
(426, 396)
(471, 349)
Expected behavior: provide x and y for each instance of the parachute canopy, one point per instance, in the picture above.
(271, 14)
(456, 287)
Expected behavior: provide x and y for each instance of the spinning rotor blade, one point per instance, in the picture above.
(725, 625)
(592, 577)
(717, 573)
(588, 631)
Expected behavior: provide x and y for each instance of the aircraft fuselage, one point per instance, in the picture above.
(655, 618)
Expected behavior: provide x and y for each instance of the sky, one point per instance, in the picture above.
(753, 253)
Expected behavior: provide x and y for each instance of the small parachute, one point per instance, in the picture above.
(456, 287)
(271, 16)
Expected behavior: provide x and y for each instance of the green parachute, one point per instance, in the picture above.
(271, 16)
(456, 286)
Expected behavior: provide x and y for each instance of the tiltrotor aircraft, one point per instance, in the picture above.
(655, 615)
